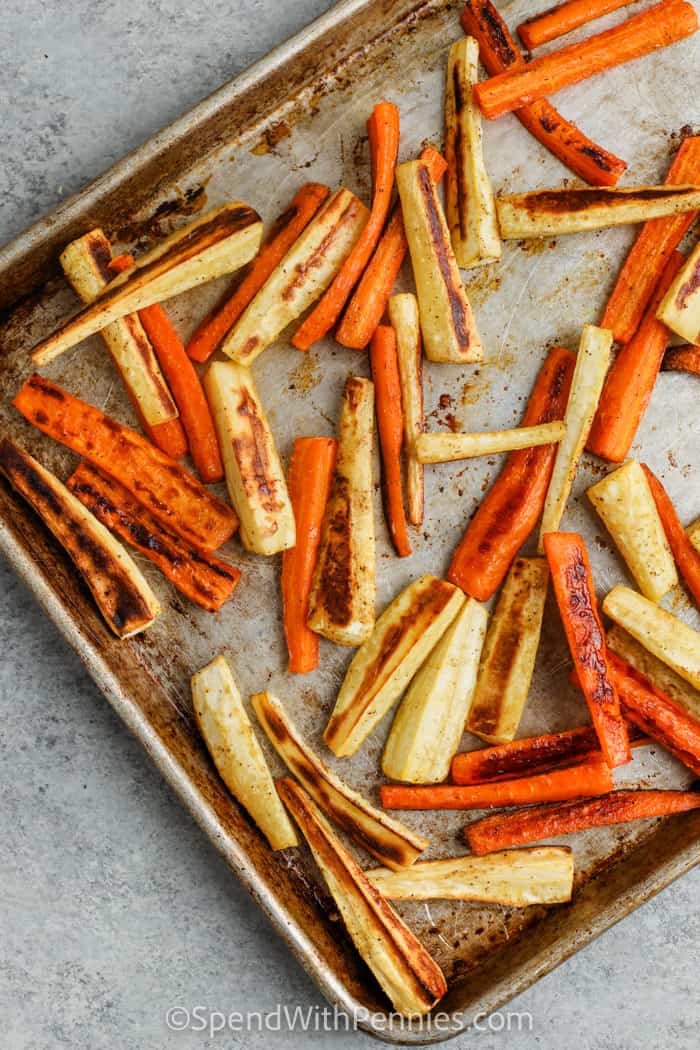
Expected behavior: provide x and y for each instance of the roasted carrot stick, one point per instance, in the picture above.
(369, 300)
(204, 579)
(283, 233)
(650, 253)
(682, 359)
(499, 52)
(630, 381)
(510, 510)
(687, 558)
(170, 492)
(383, 131)
(310, 473)
(563, 18)
(656, 714)
(659, 26)
(573, 588)
(588, 778)
(387, 399)
(502, 831)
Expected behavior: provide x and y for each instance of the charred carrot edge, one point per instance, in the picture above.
(563, 19)
(309, 481)
(682, 359)
(387, 400)
(650, 253)
(512, 506)
(630, 381)
(684, 553)
(656, 714)
(502, 831)
(205, 580)
(170, 492)
(592, 777)
(575, 593)
(365, 309)
(660, 25)
(499, 52)
(383, 131)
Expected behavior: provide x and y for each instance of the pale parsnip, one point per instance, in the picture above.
(680, 307)
(232, 744)
(658, 673)
(448, 446)
(403, 314)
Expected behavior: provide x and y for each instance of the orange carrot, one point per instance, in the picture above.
(630, 381)
(573, 588)
(503, 831)
(650, 253)
(499, 52)
(383, 131)
(687, 558)
(564, 18)
(283, 233)
(660, 25)
(684, 358)
(369, 300)
(588, 778)
(656, 714)
(513, 504)
(387, 398)
(309, 482)
(204, 579)
(171, 493)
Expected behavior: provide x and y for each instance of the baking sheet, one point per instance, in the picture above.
(539, 295)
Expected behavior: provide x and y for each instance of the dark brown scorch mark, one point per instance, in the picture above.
(557, 201)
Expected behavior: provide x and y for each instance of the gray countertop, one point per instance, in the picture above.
(115, 908)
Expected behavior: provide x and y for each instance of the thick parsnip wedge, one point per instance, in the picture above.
(303, 275)
(388, 839)
(508, 658)
(412, 980)
(232, 744)
(658, 630)
(429, 723)
(85, 263)
(341, 604)
(447, 446)
(469, 203)
(120, 590)
(550, 213)
(515, 878)
(658, 673)
(403, 314)
(680, 307)
(404, 636)
(446, 319)
(625, 503)
(254, 474)
(218, 242)
(592, 363)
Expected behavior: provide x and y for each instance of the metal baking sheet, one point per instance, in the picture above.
(300, 114)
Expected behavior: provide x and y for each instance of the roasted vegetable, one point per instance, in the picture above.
(403, 314)
(448, 446)
(680, 307)
(654, 670)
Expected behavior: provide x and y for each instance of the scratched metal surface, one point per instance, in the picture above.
(539, 295)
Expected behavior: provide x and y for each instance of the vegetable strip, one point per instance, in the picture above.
(563, 19)
(387, 398)
(686, 556)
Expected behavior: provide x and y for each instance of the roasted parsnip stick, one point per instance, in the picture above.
(447, 446)
(403, 314)
(680, 307)
(655, 670)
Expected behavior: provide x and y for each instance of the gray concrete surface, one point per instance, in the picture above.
(115, 909)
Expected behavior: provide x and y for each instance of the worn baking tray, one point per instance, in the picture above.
(300, 113)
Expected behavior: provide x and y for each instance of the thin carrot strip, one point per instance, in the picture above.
(368, 303)
(309, 482)
(660, 25)
(630, 381)
(503, 831)
(589, 778)
(387, 400)
(564, 18)
(687, 558)
(499, 52)
(656, 714)
(383, 131)
(170, 492)
(573, 588)
(511, 508)
(682, 359)
(282, 235)
(204, 579)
